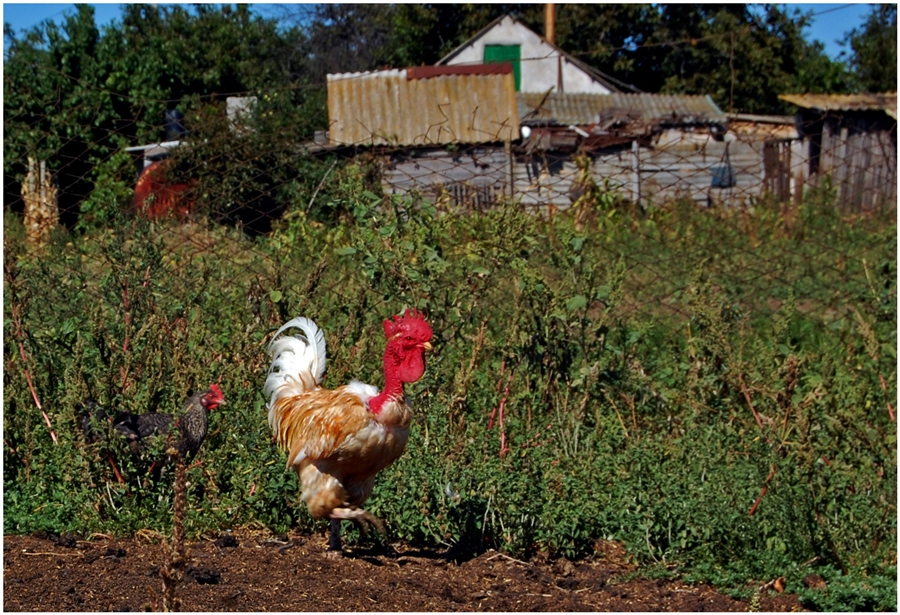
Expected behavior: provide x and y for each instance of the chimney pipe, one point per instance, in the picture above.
(550, 23)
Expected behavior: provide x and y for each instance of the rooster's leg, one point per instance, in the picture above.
(334, 538)
(363, 526)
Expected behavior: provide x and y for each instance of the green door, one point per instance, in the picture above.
(506, 53)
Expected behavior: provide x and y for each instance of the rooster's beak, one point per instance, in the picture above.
(427, 345)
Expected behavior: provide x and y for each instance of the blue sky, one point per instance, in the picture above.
(829, 25)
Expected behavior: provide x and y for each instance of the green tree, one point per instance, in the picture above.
(614, 38)
(363, 37)
(76, 97)
(54, 107)
(817, 73)
(453, 24)
(874, 55)
(744, 56)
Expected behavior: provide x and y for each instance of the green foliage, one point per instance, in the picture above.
(855, 592)
(647, 379)
(110, 88)
(742, 55)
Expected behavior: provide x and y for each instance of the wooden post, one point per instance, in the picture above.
(846, 198)
(507, 147)
(41, 209)
(559, 75)
(550, 35)
(636, 168)
(550, 23)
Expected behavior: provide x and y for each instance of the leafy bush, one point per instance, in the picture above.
(712, 389)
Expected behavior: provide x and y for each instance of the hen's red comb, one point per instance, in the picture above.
(216, 390)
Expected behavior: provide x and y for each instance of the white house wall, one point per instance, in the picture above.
(540, 62)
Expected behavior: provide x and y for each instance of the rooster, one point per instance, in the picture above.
(338, 440)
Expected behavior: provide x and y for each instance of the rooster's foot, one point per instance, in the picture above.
(365, 520)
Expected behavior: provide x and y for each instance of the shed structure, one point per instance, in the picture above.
(649, 148)
(852, 142)
(775, 141)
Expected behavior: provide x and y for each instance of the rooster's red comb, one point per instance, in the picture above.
(216, 390)
(412, 322)
(410, 315)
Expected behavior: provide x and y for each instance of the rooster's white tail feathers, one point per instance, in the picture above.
(297, 360)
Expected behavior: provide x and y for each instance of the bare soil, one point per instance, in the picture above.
(256, 571)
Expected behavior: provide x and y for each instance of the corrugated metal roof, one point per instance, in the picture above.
(393, 107)
(586, 109)
(886, 102)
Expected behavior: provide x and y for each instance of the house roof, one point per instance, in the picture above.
(886, 102)
(420, 106)
(607, 81)
(589, 109)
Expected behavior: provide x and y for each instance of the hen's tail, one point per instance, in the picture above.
(298, 361)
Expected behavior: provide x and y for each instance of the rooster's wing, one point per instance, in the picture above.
(320, 424)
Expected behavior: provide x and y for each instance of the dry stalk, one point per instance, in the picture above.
(784, 397)
(319, 187)
(464, 375)
(172, 572)
(618, 414)
(37, 402)
(629, 399)
(498, 411)
(889, 407)
(752, 408)
(762, 491)
(503, 447)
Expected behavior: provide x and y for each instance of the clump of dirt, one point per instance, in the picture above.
(252, 571)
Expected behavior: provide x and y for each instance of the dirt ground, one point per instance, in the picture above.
(256, 571)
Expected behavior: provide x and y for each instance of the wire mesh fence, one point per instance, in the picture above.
(248, 160)
(616, 284)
